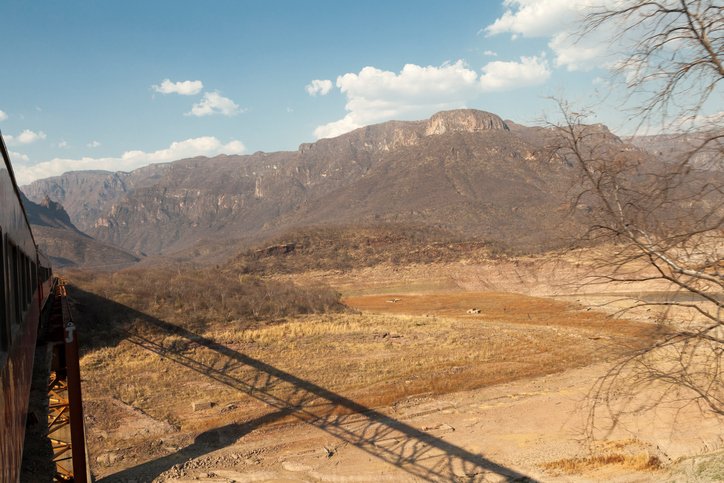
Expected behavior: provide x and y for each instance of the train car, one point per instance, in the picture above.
(24, 288)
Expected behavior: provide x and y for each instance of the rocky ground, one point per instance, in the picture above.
(532, 428)
(291, 426)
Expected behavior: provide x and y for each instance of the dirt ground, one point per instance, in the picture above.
(502, 433)
(295, 425)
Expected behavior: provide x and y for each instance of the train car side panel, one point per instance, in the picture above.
(15, 380)
(20, 312)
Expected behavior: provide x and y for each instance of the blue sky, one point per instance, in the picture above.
(83, 81)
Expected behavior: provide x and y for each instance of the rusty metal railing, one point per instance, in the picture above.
(65, 404)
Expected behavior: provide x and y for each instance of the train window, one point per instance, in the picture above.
(33, 277)
(21, 286)
(8, 272)
(26, 279)
(4, 325)
(24, 267)
(15, 282)
(23, 282)
(22, 273)
(26, 272)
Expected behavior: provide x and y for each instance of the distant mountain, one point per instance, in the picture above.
(48, 213)
(465, 171)
(705, 149)
(67, 246)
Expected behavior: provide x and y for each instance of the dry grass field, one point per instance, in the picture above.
(282, 366)
(161, 372)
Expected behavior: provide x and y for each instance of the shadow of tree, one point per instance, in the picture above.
(414, 451)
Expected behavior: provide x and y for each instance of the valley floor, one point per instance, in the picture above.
(532, 427)
(430, 384)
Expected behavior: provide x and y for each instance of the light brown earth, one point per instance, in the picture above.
(521, 426)
(410, 388)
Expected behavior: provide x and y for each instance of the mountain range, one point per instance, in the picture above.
(67, 246)
(465, 171)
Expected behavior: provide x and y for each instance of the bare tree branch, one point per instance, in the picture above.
(660, 221)
(673, 52)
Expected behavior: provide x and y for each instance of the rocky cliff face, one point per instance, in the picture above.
(463, 120)
(703, 150)
(463, 170)
(47, 213)
(85, 194)
(67, 246)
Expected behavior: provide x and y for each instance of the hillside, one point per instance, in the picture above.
(704, 148)
(465, 171)
(67, 246)
(353, 247)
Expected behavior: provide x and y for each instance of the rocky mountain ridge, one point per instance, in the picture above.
(703, 150)
(65, 244)
(48, 213)
(466, 171)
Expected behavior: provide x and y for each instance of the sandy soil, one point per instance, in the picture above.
(535, 429)
(499, 433)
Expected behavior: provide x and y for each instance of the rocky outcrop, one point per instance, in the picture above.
(84, 194)
(463, 120)
(47, 213)
(702, 150)
(65, 244)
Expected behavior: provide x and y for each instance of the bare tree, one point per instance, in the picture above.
(670, 55)
(662, 220)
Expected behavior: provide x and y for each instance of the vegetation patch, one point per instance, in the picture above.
(197, 297)
(197, 336)
(627, 454)
(638, 462)
(346, 248)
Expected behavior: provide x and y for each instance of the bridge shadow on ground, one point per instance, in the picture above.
(204, 443)
(416, 452)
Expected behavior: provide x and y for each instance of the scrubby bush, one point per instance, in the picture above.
(345, 248)
(195, 297)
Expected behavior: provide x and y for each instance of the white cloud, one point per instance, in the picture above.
(559, 21)
(317, 86)
(333, 129)
(25, 137)
(214, 103)
(500, 75)
(537, 18)
(580, 54)
(374, 95)
(15, 156)
(3, 116)
(201, 146)
(184, 88)
(490, 53)
(93, 144)
(63, 144)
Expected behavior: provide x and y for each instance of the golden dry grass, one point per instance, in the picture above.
(377, 353)
(638, 462)
(136, 367)
(374, 359)
(625, 454)
(499, 307)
